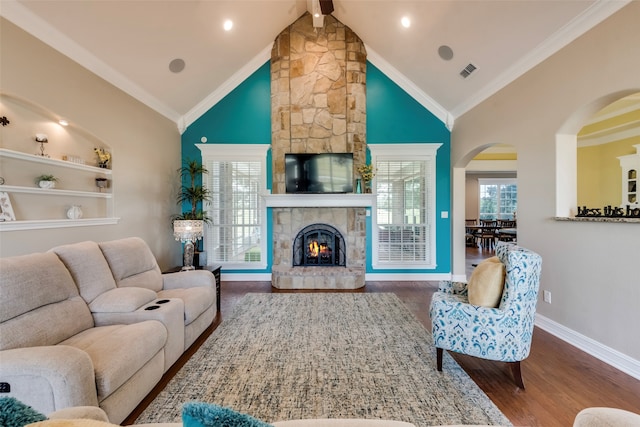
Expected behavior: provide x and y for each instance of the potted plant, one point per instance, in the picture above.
(192, 197)
(367, 172)
(46, 181)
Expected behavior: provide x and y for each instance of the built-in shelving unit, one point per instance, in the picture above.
(11, 154)
(630, 178)
(53, 192)
(79, 178)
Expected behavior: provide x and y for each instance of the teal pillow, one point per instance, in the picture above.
(199, 414)
(14, 413)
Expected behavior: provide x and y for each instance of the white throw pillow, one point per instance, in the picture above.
(487, 283)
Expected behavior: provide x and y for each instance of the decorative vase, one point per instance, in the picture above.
(358, 185)
(74, 212)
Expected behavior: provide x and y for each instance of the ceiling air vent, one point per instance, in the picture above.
(466, 71)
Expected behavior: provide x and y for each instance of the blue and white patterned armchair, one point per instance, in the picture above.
(503, 333)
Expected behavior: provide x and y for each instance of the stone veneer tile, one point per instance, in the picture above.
(318, 105)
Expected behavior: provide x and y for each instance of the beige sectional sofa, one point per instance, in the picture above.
(96, 324)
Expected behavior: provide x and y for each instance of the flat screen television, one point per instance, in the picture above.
(319, 173)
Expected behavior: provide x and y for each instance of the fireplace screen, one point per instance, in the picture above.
(319, 245)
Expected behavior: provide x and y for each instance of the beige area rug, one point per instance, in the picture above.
(325, 355)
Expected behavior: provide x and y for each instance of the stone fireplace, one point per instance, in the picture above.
(318, 105)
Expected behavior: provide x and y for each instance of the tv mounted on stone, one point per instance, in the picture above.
(319, 173)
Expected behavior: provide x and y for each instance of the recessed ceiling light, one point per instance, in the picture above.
(228, 25)
(406, 22)
(176, 65)
(63, 122)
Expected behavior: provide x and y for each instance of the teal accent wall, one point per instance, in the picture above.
(393, 116)
(244, 117)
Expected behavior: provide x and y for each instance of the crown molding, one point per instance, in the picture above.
(42, 30)
(408, 86)
(588, 19)
(629, 130)
(223, 90)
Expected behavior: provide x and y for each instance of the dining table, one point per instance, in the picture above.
(501, 232)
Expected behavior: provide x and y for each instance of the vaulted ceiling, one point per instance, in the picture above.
(132, 43)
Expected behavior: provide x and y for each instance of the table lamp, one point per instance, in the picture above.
(188, 231)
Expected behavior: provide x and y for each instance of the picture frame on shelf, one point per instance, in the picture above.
(6, 210)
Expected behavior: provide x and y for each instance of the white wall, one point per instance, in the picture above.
(146, 145)
(590, 268)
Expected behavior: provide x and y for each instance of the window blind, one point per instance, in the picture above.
(404, 211)
(235, 233)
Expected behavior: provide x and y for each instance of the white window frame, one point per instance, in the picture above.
(390, 152)
(242, 153)
(493, 181)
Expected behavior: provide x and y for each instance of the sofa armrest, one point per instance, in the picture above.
(338, 422)
(49, 378)
(188, 279)
(80, 412)
(599, 417)
(170, 312)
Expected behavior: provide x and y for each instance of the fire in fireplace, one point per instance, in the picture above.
(319, 245)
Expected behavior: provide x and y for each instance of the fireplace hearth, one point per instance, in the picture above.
(319, 245)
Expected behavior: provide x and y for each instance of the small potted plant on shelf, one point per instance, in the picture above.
(194, 195)
(46, 181)
(103, 157)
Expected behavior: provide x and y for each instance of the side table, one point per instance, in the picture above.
(214, 269)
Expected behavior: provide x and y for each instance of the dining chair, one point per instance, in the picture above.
(471, 234)
(488, 233)
(506, 224)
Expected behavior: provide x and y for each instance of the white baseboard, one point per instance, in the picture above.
(407, 277)
(382, 277)
(459, 278)
(245, 277)
(600, 351)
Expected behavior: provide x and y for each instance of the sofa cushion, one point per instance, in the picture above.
(122, 300)
(196, 300)
(132, 263)
(119, 351)
(486, 283)
(88, 268)
(40, 302)
(14, 413)
(199, 414)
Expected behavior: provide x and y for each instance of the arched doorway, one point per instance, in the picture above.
(488, 166)
(490, 195)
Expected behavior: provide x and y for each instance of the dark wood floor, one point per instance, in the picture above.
(560, 380)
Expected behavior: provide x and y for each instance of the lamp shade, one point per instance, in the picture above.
(188, 230)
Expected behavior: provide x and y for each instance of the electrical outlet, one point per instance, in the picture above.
(547, 296)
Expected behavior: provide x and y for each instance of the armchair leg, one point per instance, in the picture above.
(439, 358)
(517, 373)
